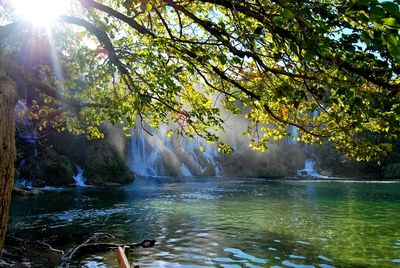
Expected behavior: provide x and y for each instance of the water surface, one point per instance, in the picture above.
(216, 222)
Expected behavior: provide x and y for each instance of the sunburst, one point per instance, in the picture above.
(40, 12)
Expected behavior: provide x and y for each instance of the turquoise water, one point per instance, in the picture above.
(215, 222)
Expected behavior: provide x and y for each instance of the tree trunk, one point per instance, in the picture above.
(8, 101)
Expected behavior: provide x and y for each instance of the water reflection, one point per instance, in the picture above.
(228, 223)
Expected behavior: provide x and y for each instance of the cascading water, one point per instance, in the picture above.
(309, 165)
(309, 171)
(28, 133)
(159, 155)
(25, 183)
(139, 161)
(294, 134)
(79, 178)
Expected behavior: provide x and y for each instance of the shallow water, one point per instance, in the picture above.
(215, 222)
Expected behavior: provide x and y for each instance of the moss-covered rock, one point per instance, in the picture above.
(57, 169)
(48, 168)
(103, 165)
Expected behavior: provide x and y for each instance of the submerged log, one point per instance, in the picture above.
(34, 253)
(101, 242)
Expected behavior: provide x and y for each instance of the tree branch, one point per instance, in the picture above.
(17, 72)
(106, 42)
(114, 13)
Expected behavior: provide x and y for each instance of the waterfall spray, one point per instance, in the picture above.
(159, 155)
(78, 177)
(309, 171)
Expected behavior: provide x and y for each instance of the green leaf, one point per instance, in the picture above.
(391, 8)
(288, 15)
(393, 45)
(222, 58)
(309, 55)
(237, 60)
(392, 22)
(178, 70)
(377, 13)
(148, 7)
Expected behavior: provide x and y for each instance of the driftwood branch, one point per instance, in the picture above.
(42, 254)
(100, 242)
(22, 244)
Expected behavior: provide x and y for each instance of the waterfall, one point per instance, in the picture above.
(294, 134)
(185, 171)
(309, 165)
(25, 183)
(27, 132)
(159, 155)
(211, 153)
(139, 163)
(309, 171)
(78, 177)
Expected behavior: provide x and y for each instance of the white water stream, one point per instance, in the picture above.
(79, 178)
(159, 155)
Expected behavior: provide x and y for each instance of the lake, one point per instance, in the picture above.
(220, 222)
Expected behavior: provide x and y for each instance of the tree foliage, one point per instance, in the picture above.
(329, 68)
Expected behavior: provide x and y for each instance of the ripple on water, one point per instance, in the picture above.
(202, 234)
(325, 266)
(220, 259)
(303, 242)
(324, 258)
(94, 262)
(230, 266)
(291, 264)
(293, 256)
(242, 255)
(252, 265)
(175, 264)
(163, 254)
(227, 224)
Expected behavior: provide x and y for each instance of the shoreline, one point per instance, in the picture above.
(24, 191)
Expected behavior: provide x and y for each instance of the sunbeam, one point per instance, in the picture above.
(40, 12)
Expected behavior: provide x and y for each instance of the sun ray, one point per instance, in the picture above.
(40, 12)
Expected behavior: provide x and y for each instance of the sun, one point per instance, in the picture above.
(40, 12)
